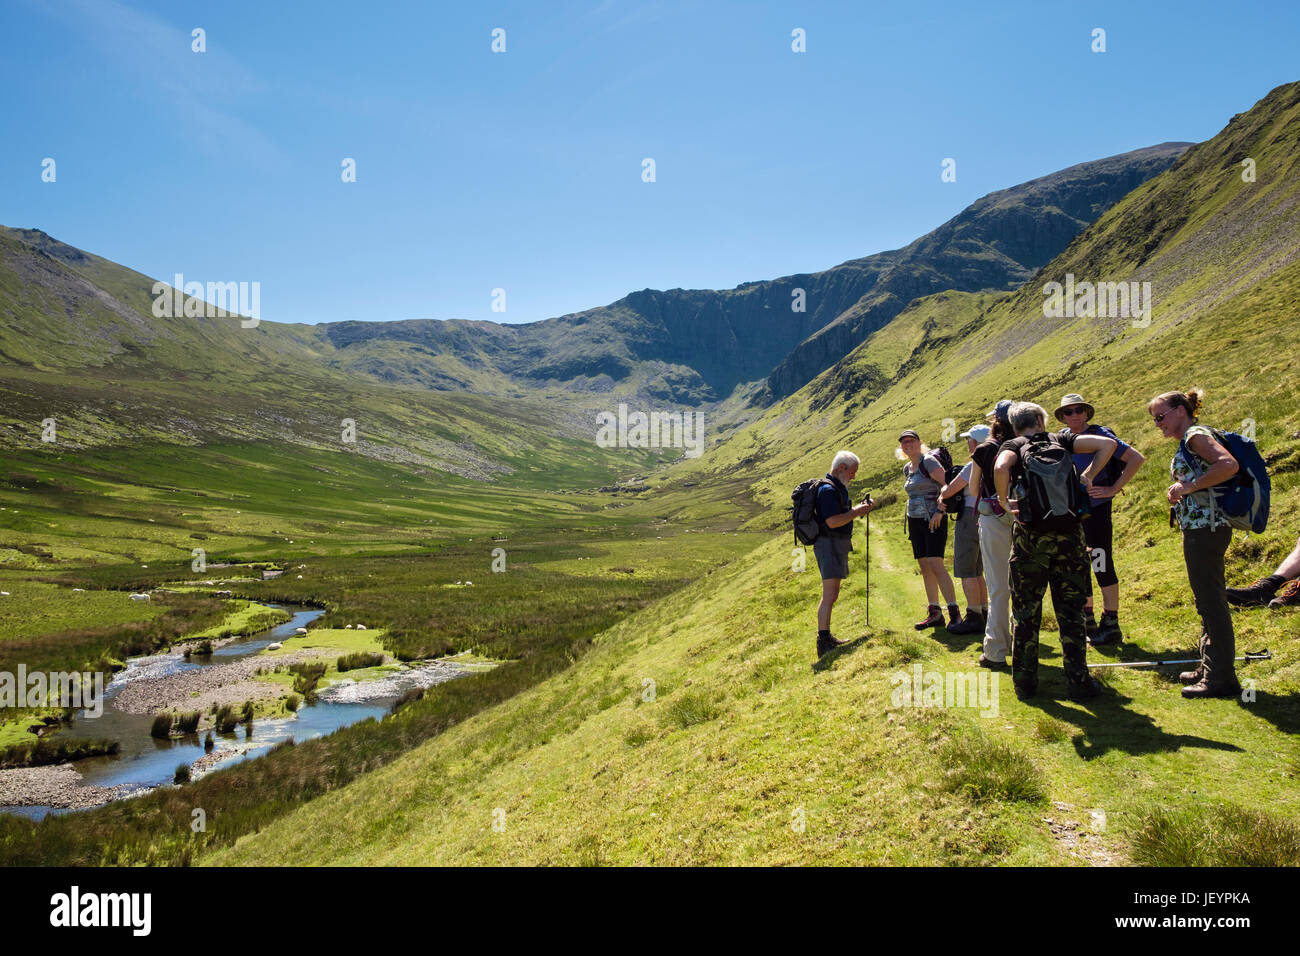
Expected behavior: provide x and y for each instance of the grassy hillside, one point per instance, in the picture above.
(744, 738)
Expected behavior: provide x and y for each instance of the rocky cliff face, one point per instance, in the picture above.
(998, 242)
(693, 345)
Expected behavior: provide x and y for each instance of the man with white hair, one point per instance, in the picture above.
(835, 514)
(1047, 544)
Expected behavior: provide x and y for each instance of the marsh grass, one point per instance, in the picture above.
(691, 707)
(350, 662)
(1222, 835)
(987, 770)
(44, 751)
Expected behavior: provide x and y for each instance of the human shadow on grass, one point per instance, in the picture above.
(1283, 712)
(830, 657)
(1106, 724)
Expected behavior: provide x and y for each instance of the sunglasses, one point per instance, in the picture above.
(1074, 410)
(1161, 417)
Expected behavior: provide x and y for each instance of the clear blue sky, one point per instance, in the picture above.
(522, 170)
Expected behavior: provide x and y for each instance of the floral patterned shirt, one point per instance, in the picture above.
(1196, 510)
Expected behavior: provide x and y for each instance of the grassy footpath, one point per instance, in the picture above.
(744, 739)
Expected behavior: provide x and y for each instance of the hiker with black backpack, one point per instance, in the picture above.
(995, 527)
(1047, 545)
(967, 565)
(927, 527)
(823, 517)
(1200, 463)
(1098, 532)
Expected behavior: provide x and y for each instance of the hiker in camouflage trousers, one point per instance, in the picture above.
(1058, 559)
(1047, 542)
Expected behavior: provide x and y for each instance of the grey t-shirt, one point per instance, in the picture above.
(922, 490)
(971, 498)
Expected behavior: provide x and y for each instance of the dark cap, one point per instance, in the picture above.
(1001, 411)
(909, 434)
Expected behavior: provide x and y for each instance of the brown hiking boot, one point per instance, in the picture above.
(1204, 688)
(1193, 677)
(1256, 595)
(1290, 596)
(934, 618)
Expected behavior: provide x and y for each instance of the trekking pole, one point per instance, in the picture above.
(1263, 655)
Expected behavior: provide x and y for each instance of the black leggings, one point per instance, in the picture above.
(1099, 533)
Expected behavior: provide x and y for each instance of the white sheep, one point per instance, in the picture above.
(361, 627)
(275, 646)
(469, 584)
(347, 627)
(300, 577)
(300, 630)
(139, 597)
(78, 590)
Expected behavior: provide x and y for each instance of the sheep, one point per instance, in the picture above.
(361, 627)
(300, 630)
(139, 597)
(300, 577)
(78, 590)
(274, 646)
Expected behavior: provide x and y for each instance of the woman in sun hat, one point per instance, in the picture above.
(1076, 415)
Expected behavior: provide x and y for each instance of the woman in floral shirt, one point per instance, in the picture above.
(1206, 536)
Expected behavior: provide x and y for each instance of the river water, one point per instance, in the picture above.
(145, 762)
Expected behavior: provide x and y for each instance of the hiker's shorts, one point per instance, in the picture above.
(927, 543)
(832, 555)
(966, 559)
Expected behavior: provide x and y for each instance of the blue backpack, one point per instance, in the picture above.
(1243, 498)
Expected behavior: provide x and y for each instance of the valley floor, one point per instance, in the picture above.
(699, 731)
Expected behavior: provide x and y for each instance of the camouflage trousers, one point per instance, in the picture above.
(1039, 560)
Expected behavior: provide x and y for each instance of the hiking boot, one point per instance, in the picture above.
(827, 642)
(1089, 624)
(1193, 677)
(1085, 689)
(991, 665)
(973, 623)
(1257, 595)
(1290, 596)
(1107, 632)
(934, 618)
(1204, 688)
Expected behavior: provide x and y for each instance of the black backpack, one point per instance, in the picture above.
(803, 510)
(1050, 492)
(955, 505)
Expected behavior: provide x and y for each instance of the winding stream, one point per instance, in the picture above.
(145, 762)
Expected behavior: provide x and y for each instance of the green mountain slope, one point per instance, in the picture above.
(65, 309)
(746, 754)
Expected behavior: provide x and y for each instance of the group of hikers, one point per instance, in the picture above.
(1032, 512)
